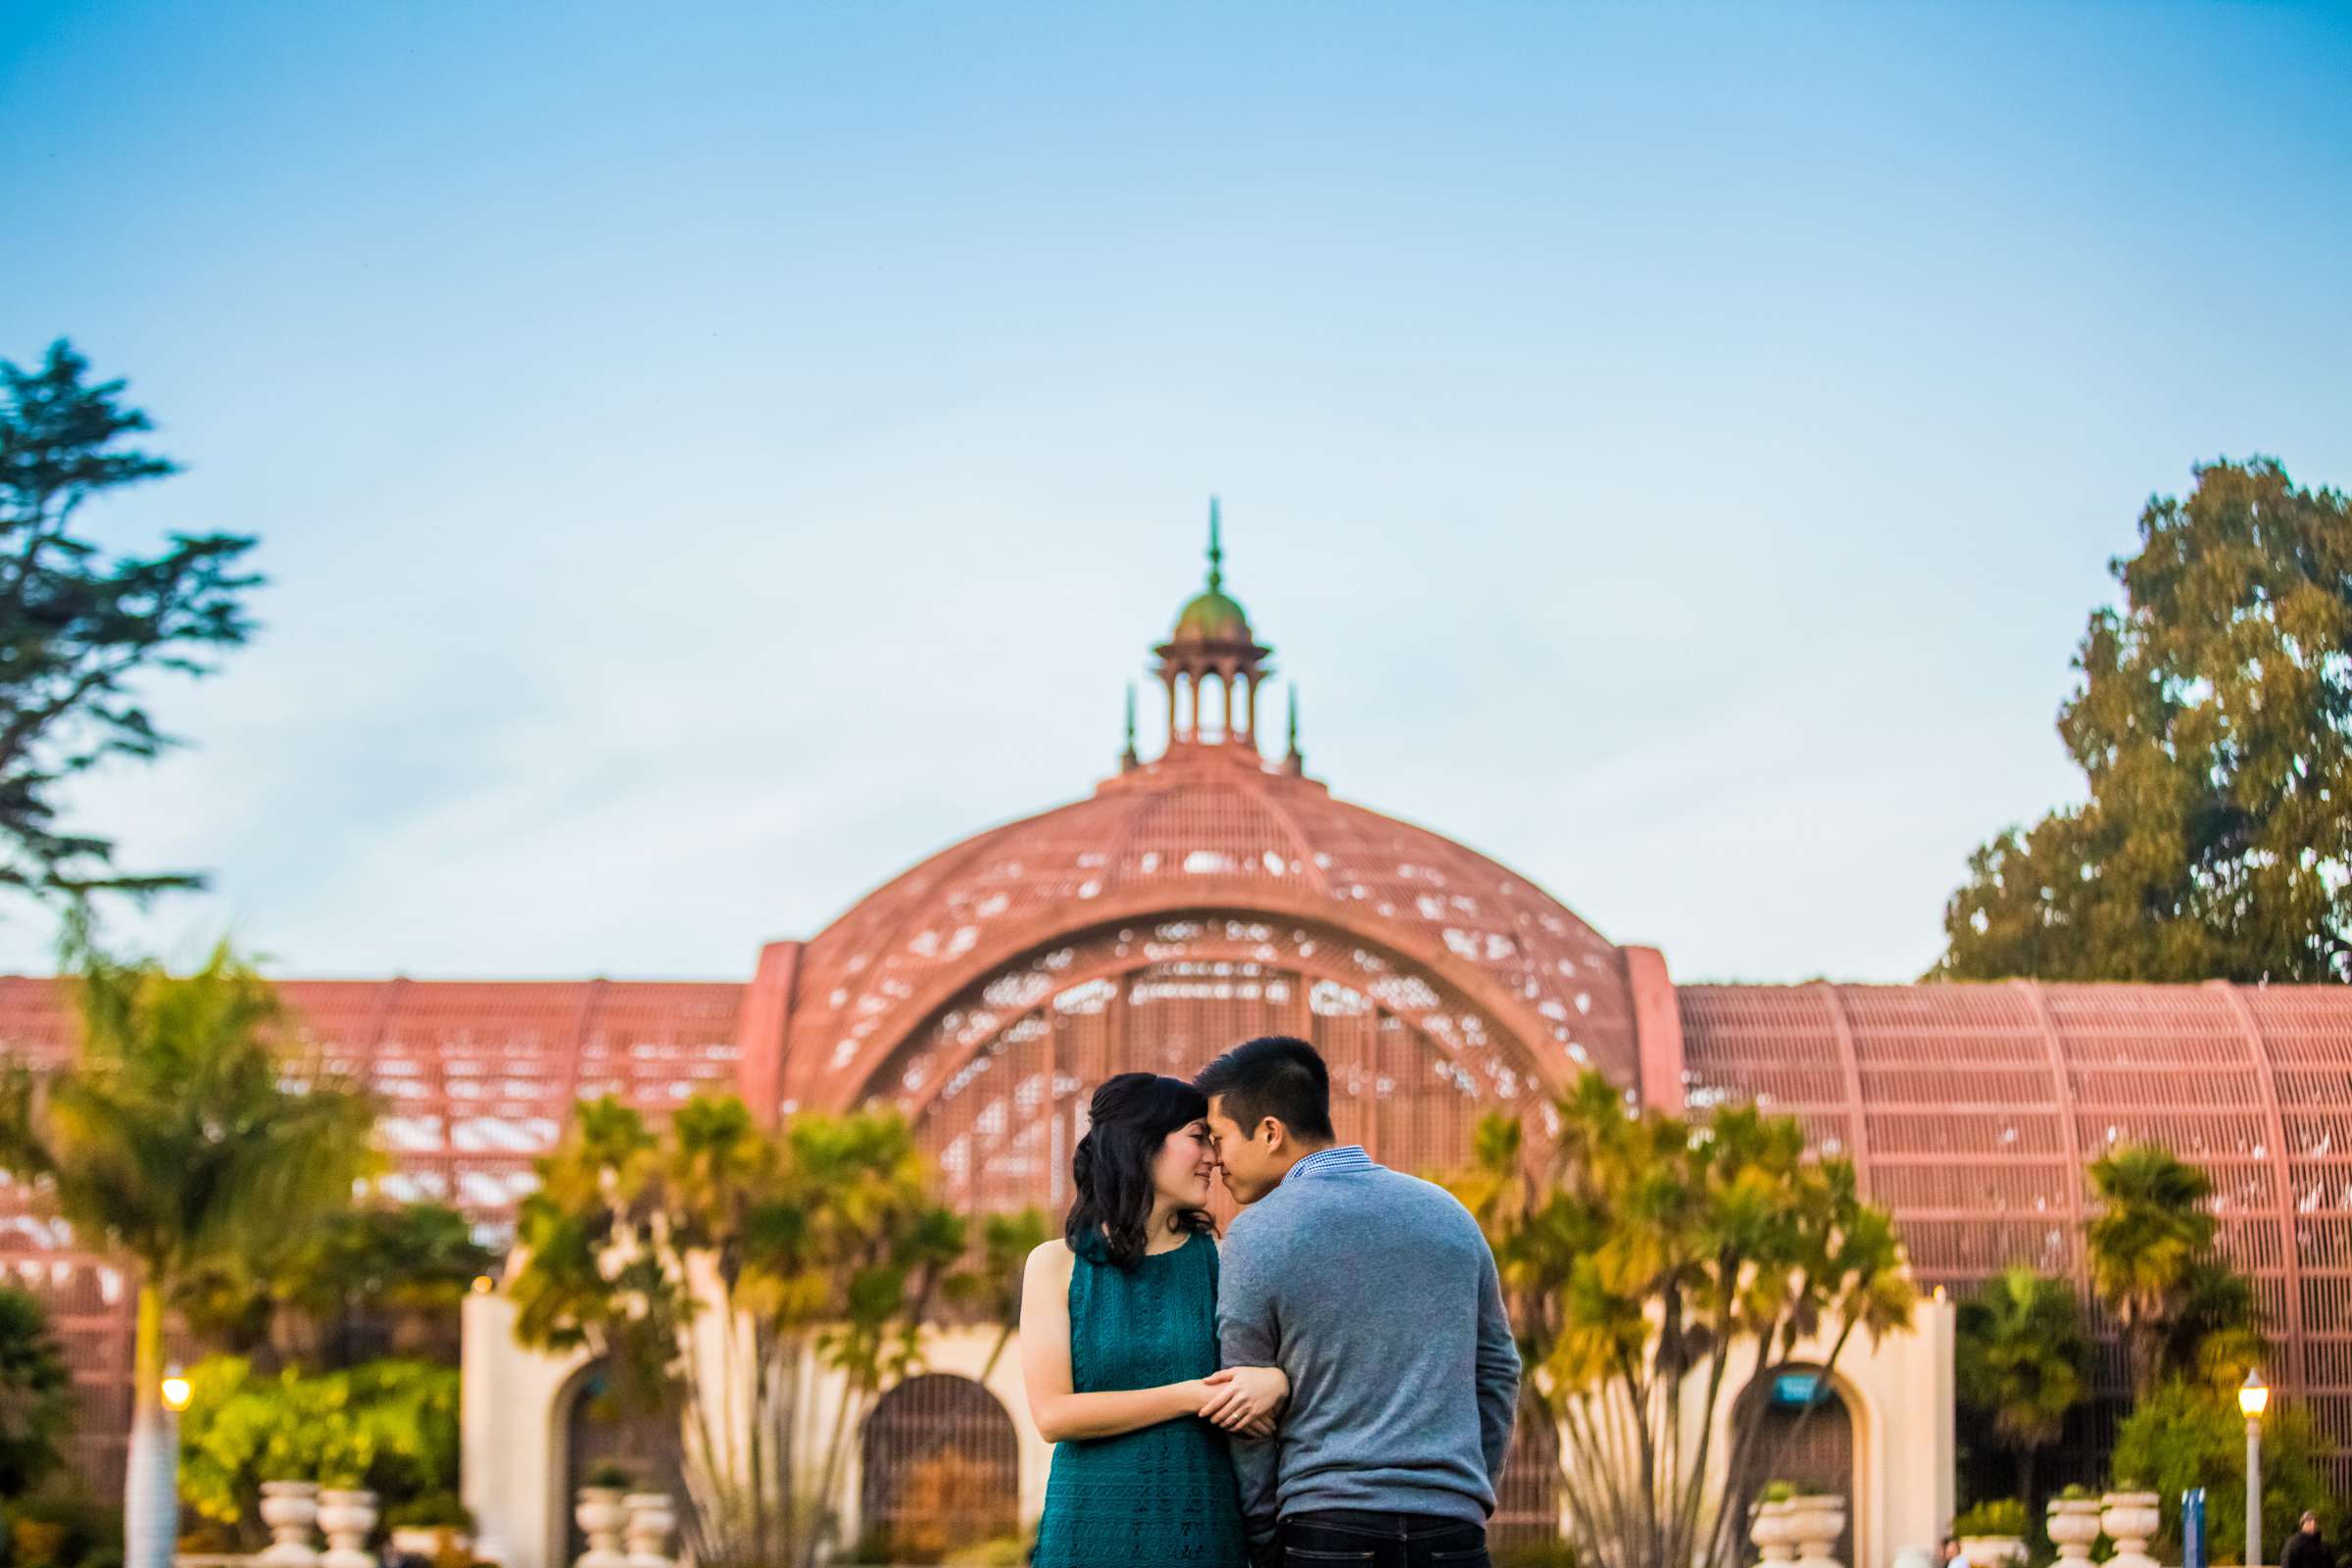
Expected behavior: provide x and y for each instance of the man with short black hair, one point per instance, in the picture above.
(1378, 1297)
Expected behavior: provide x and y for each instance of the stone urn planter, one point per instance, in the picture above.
(2074, 1524)
(602, 1516)
(1774, 1532)
(347, 1515)
(2132, 1520)
(290, 1508)
(1991, 1551)
(652, 1519)
(1816, 1520)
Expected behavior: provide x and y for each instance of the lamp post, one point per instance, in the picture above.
(2253, 1397)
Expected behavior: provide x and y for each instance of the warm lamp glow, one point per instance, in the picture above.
(483, 1285)
(2253, 1395)
(175, 1390)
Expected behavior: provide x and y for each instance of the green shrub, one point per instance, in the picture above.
(2186, 1435)
(389, 1426)
(63, 1528)
(609, 1476)
(2002, 1516)
(435, 1510)
(36, 1393)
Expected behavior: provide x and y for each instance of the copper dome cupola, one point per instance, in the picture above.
(1212, 666)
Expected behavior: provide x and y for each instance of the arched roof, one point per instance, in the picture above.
(1971, 1109)
(1204, 828)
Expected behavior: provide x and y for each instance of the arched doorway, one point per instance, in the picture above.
(941, 1470)
(1806, 1437)
(1527, 1504)
(600, 1431)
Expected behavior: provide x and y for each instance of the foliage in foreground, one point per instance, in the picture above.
(173, 1138)
(36, 1394)
(61, 1528)
(1643, 1255)
(2154, 1260)
(721, 1269)
(2023, 1363)
(376, 1279)
(2185, 1433)
(390, 1426)
(2001, 1516)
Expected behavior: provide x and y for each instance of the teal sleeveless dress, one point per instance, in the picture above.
(1166, 1493)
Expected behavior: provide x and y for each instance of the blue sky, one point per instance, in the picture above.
(708, 461)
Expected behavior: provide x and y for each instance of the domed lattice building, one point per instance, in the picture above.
(1207, 893)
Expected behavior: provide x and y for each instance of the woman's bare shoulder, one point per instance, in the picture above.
(1051, 1258)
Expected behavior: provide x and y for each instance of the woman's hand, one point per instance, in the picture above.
(1245, 1398)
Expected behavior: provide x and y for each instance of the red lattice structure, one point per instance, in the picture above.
(1970, 1110)
(476, 1080)
(1207, 895)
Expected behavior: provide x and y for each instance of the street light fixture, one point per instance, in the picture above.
(176, 1390)
(2253, 1397)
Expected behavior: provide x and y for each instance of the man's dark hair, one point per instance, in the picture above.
(1273, 1076)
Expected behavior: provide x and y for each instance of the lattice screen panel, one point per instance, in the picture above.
(999, 1079)
(1981, 1104)
(476, 1080)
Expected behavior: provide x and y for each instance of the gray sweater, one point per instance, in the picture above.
(1377, 1294)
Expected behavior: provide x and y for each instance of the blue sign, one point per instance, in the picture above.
(2192, 1528)
(1798, 1389)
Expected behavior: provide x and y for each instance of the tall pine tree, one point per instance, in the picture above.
(82, 627)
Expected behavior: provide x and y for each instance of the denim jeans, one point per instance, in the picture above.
(1381, 1540)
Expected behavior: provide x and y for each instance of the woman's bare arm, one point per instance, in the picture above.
(1060, 1414)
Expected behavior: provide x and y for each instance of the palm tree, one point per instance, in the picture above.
(2023, 1360)
(2152, 1232)
(176, 1142)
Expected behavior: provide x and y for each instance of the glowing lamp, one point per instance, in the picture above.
(176, 1390)
(2253, 1395)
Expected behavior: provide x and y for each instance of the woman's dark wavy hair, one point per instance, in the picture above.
(1133, 1114)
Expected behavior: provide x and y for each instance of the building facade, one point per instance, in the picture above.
(1206, 894)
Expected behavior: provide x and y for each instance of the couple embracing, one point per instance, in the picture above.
(1331, 1387)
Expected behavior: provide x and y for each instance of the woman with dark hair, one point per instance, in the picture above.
(1119, 1346)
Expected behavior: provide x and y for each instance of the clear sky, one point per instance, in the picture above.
(709, 457)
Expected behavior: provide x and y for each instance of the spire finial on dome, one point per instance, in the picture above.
(1127, 758)
(1293, 760)
(1216, 551)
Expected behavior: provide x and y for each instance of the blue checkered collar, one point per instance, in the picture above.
(1346, 1157)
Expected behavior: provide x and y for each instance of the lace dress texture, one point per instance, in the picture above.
(1166, 1493)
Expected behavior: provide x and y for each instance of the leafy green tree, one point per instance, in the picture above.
(174, 1141)
(2185, 1433)
(81, 628)
(390, 1426)
(721, 1269)
(2213, 723)
(1655, 1268)
(36, 1394)
(2152, 1253)
(2023, 1363)
(380, 1279)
